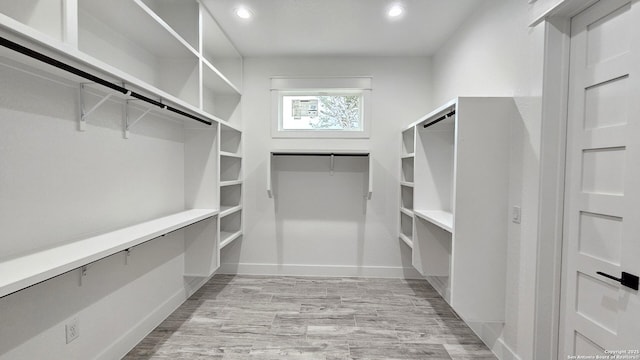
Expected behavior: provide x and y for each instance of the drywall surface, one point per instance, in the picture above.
(496, 54)
(319, 223)
(58, 184)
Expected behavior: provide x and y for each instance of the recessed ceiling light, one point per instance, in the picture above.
(243, 13)
(395, 11)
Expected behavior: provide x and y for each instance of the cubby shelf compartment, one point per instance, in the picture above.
(181, 17)
(218, 51)
(44, 16)
(230, 141)
(27, 270)
(407, 170)
(406, 227)
(406, 198)
(230, 199)
(230, 168)
(408, 141)
(230, 228)
(128, 35)
(219, 96)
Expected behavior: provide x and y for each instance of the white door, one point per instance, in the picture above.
(602, 204)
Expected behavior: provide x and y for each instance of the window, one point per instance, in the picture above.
(326, 112)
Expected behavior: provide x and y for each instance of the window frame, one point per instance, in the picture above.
(321, 86)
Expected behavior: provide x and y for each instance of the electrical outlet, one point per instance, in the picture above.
(516, 214)
(72, 328)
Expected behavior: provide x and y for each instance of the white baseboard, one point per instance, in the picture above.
(503, 351)
(131, 338)
(488, 332)
(319, 270)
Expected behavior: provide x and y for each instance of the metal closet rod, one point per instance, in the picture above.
(68, 68)
(317, 154)
(450, 114)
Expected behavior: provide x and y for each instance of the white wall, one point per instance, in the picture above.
(496, 54)
(58, 185)
(354, 236)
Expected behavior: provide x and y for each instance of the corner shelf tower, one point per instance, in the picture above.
(230, 184)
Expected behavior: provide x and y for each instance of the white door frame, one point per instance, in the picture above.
(555, 93)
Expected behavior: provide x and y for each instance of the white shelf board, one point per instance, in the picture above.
(230, 154)
(228, 210)
(406, 211)
(230, 183)
(21, 272)
(407, 184)
(406, 240)
(216, 81)
(230, 127)
(408, 156)
(227, 237)
(442, 219)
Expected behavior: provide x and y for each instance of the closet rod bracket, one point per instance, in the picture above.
(332, 163)
(129, 124)
(127, 253)
(84, 114)
(83, 273)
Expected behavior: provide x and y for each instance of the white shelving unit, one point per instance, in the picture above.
(456, 189)
(144, 45)
(406, 186)
(27, 270)
(231, 189)
(173, 54)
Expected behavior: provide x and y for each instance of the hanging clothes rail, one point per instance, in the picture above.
(81, 73)
(443, 117)
(316, 154)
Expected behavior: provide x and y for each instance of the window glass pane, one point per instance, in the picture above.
(322, 112)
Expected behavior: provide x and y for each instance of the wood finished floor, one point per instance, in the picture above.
(267, 317)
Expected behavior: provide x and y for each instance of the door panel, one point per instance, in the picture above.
(602, 220)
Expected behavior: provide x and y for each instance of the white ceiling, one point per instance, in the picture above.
(340, 27)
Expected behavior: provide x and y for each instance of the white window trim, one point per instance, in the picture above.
(285, 85)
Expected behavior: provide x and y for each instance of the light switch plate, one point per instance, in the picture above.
(516, 214)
